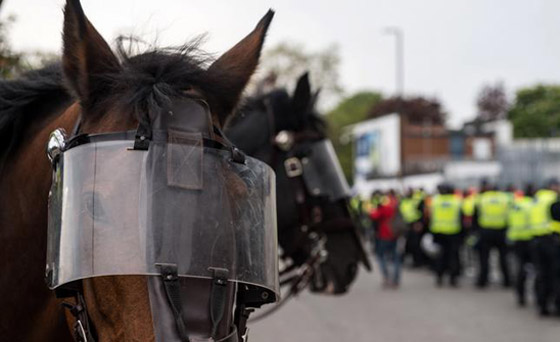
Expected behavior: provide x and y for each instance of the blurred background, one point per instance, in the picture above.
(464, 77)
(415, 93)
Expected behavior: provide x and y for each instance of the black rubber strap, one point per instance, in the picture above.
(242, 314)
(82, 327)
(218, 297)
(232, 337)
(143, 137)
(236, 154)
(172, 290)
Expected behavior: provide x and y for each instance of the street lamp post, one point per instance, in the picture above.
(399, 83)
(397, 32)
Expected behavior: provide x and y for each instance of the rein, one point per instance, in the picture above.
(298, 278)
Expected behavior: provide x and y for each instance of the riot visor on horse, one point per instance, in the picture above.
(150, 202)
(318, 237)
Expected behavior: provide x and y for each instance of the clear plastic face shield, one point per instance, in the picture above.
(322, 172)
(323, 177)
(179, 209)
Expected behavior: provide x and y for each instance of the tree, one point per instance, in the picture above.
(418, 110)
(349, 111)
(492, 103)
(10, 62)
(13, 63)
(536, 112)
(284, 63)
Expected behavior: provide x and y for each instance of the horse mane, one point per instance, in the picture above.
(147, 81)
(18, 96)
(145, 84)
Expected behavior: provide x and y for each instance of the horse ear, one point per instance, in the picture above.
(235, 67)
(315, 98)
(87, 57)
(302, 94)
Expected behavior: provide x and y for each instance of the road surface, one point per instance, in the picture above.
(417, 312)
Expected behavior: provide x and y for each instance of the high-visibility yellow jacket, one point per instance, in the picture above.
(469, 205)
(493, 210)
(356, 204)
(445, 214)
(540, 219)
(409, 209)
(519, 223)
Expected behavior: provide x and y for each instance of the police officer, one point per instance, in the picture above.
(544, 224)
(409, 209)
(358, 206)
(490, 220)
(555, 227)
(469, 201)
(520, 234)
(445, 224)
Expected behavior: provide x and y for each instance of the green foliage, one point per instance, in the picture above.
(350, 110)
(14, 63)
(536, 112)
(10, 62)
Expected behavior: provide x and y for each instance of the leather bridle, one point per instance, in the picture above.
(295, 277)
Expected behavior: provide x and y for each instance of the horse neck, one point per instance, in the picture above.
(24, 188)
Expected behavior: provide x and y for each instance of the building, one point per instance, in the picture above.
(391, 152)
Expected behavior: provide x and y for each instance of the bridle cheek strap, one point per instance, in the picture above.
(82, 330)
(173, 292)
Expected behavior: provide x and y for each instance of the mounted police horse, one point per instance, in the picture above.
(320, 243)
(159, 229)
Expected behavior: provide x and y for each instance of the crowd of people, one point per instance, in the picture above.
(434, 231)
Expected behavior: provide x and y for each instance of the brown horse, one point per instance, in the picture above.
(107, 93)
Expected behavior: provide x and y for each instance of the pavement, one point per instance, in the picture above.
(417, 311)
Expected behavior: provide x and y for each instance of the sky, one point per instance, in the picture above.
(452, 47)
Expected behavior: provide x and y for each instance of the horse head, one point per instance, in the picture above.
(99, 93)
(315, 227)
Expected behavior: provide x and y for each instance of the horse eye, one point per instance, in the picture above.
(94, 207)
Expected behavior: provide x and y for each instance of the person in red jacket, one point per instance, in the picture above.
(386, 239)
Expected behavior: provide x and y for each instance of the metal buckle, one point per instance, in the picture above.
(284, 140)
(55, 145)
(293, 167)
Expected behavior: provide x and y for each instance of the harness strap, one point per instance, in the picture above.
(172, 290)
(82, 328)
(232, 337)
(218, 297)
(242, 314)
(236, 154)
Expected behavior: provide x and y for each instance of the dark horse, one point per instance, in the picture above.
(109, 94)
(282, 130)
